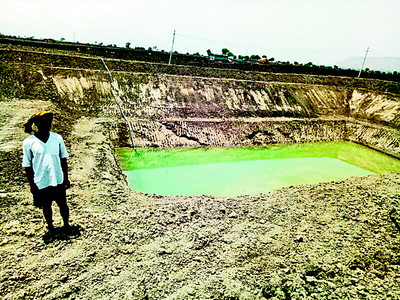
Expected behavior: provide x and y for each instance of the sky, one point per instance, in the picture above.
(323, 32)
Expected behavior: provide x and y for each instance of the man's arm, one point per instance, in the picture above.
(64, 167)
(30, 176)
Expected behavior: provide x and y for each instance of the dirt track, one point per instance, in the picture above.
(332, 240)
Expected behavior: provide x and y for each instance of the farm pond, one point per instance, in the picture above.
(231, 172)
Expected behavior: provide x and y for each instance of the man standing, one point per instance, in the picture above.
(45, 163)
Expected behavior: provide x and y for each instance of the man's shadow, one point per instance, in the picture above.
(60, 234)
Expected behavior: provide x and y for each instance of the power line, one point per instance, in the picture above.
(263, 48)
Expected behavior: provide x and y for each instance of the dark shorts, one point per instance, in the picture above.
(49, 194)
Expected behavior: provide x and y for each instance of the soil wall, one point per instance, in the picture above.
(164, 96)
(381, 138)
(228, 133)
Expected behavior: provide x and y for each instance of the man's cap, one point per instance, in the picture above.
(28, 123)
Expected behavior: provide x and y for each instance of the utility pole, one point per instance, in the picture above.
(362, 66)
(172, 48)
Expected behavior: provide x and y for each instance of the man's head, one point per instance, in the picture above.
(42, 121)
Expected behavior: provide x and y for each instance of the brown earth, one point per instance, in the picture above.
(333, 240)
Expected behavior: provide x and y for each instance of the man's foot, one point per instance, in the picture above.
(49, 236)
(67, 230)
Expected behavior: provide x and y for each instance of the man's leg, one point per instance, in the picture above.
(48, 214)
(62, 204)
(41, 200)
(64, 211)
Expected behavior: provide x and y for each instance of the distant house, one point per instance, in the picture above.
(218, 57)
(263, 60)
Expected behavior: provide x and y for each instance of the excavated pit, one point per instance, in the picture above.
(331, 240)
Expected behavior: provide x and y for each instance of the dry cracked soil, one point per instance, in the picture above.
(335, 240)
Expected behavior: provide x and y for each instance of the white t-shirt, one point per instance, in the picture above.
(45, 159)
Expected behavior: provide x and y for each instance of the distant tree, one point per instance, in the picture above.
(264, 56)
(127, 45)
(155, 48)
(255, 57)
(209, 53)
(271, 59)
(225, 50)
(62, 39)
(229, 53)
(150, 49)
(197, 53)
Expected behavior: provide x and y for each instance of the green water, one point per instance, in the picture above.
(238, 171)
